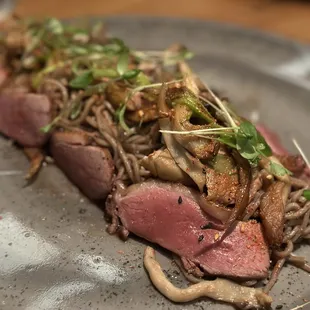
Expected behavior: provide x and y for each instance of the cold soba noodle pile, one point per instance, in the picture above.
(173, 162)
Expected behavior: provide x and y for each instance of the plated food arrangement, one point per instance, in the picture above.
(173, 163)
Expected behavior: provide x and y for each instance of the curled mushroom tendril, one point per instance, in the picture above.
(219, 289)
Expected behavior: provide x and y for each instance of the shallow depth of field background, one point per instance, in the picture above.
(289, 18)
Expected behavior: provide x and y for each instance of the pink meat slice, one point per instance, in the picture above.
(169, 215)
(3, 76)
(22, 115)
(90, 168)
(272, 139)
(295, 163)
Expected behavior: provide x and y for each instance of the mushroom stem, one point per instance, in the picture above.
(219, 289)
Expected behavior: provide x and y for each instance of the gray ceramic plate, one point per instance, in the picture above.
(54, 251)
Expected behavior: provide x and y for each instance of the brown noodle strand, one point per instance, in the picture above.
(305, 220)
(307, 231)
(297, 214)
(102, 122)
(91, 120)
(109, 107)
(298, 183)
(137, 139)
(299, 261)
(120, 151)
(292, 233)
(120, 173)
(274, 275)
(101, 142)
(135, 166)
(58, 85)
(294, 196)
(287, 251)
(82, 117)
(292, 206)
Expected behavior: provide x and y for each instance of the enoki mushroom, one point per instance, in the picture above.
(219, 289)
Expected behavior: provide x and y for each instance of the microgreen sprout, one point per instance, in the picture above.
(50, 126)
(245, 138)
(301, 152)
(121, 112)
(83, 80)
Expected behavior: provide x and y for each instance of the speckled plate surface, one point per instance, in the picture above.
(54, 251)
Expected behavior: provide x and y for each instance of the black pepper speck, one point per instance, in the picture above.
(180, 200)
(200, 238)
(207, 226)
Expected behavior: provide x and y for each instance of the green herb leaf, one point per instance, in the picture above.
(50, 126)
(37, 78)
(82, 80)
(118, 42)
(109, 73)
(181, 55)
(76, 110)
(186, 97)
(229, 140)
(142, 79)
(95, 89)
(47, 128)
(251, 144)
(112, 49)
(115, 46)
(35, 40)
(97, 29)
(96, 48)
(123, 61)
(306, 194)
(262, 146)
(188, 54)
(278, 169)
(130, 74)
(54, 26)
(120, 116)
(72, 29)
(248, 130)
(117, 112)
(245, 141)
(77, 50)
